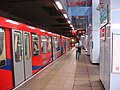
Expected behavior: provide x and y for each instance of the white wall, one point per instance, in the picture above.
(95, 32)
(115, 28)
(110, 78)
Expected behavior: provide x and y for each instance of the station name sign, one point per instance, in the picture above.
(104, 15)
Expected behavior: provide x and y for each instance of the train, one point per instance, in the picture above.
(25, 50)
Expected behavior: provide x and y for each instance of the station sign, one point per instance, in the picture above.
(104, 15)
(116, 53)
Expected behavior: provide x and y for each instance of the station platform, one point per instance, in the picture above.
(67, 74)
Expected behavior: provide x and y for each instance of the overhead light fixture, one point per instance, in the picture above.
(59, 5)
(69, 21)
(71, 25)
(65, 15)
(73, 28)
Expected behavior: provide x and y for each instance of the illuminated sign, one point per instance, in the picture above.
(103, 34)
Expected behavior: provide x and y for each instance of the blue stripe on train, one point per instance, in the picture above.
(8, 65)
(36, 67)
(40, 67)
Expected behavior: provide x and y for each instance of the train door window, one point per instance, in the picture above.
(64, 43)
(2, 48)
(35, 45)
(49, 44)
(58, 42)
(43, 44)
(27, 45)
(53, 45)
(17, 46)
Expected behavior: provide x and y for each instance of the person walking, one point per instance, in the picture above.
(78, 49)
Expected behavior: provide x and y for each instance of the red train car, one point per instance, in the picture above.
(46, 46)
(56, 46)
(63, 40)
(24, 50)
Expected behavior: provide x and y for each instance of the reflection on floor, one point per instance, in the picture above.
(67, 74)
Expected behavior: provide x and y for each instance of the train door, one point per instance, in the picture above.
(53, 47)
(21, 56)
(26, 54)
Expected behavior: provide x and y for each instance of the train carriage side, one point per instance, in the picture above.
(24, 50)
(56, 46)
(63, 40)
(9, 60)
(68, 44)
(17, 59)
(6, 79)
(37, 62)
(49, 47)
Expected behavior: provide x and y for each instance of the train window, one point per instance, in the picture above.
(64, 43)
(43, 44)
(49, 44)
(17, 46)
(53, 43)
(2, 48)
(35, 45)
(27, 45)
(56, 44)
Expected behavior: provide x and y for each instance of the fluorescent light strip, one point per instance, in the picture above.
(71, 25)
(12, 22)
(65, 15)
(69, 21)
(59, 5)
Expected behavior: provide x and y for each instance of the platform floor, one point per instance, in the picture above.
(67, 74)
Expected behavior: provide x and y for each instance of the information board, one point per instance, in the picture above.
(116, 53)
(104, 15)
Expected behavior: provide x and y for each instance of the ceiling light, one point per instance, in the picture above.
(69, 21)
(65, 15)
(71, 25)
(59, 5)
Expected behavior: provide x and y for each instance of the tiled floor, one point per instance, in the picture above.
(67, 74)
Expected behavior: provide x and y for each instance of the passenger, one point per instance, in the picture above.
(35, 49)
(78, 49)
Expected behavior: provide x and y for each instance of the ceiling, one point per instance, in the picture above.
(38, 13)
